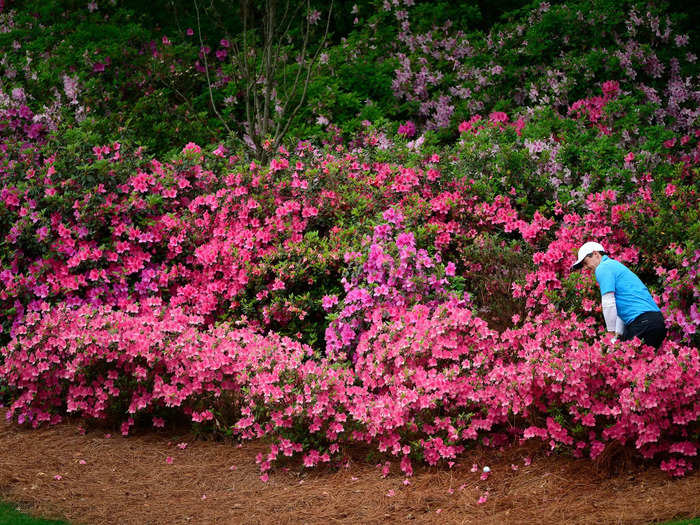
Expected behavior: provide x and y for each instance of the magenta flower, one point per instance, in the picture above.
(407, 130)
(611, 88)
(498, 117)
(329, 301)
(191, 146)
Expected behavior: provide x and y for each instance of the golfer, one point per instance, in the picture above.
(628, 307)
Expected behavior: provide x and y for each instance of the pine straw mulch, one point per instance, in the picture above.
(128, 481)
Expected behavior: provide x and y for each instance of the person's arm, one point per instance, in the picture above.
(613, 323)
(606, 281)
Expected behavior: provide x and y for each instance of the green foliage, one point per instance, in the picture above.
(153, 95)
(125, 91)
(12, 515)
(489, 265)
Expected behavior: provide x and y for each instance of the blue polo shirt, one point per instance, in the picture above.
(632, 298)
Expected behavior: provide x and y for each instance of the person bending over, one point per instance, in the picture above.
(628, 307)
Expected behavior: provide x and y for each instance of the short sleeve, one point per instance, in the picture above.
(606, 279)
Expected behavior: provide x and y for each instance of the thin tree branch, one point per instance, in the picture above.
(279, 135)
(303, 53)
(246, 76)
(206, 70)
(282, 36)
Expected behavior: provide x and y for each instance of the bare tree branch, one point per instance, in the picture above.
(267, 50)
(247, 77)
(206, 70)
(291, 93)
(288, 120)
(270, 101)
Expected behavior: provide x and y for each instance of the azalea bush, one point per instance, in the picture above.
(247, 248)
(547, 57)
(400, 279)
(431, 380)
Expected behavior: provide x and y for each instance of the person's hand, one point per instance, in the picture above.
(610, 337)
(618, 335)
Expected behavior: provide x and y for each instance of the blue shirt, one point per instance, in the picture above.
(632, 298)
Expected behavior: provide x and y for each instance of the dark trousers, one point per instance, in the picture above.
(649, 327)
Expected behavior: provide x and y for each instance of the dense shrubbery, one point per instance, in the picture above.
(382, 283)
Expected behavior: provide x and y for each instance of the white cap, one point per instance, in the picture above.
(585, 250)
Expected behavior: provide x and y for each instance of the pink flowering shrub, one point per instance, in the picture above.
(426, 382)
(402, 288)
(428, 376)
(101, 362)
(446, 376)
(392, 272)
(423, 368)
(631, 394)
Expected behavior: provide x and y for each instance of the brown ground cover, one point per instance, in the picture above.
(120, 480)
